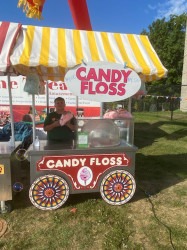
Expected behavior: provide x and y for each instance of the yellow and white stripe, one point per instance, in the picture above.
(54, 50)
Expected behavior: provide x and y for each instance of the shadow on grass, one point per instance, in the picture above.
(156, 173)
(146, 134)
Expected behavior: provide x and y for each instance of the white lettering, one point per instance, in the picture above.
(97, 162)
(67, 163)
(58, 164)
(50, 164)
(112, 161)
(75, 162)
(119, 161)
(92, 161)
(82, 160)
(105, 161)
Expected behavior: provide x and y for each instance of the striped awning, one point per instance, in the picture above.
(8, 35)
(54, 50)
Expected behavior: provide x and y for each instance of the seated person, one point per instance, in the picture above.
(27, 118)
(60, 125)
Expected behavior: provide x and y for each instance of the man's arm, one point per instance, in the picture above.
(72, 124)
(73, 127)
(51, 126)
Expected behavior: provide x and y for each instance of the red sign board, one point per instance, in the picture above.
(83, 170)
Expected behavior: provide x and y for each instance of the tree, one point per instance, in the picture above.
(167, 38)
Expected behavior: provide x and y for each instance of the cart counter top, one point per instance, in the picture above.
(6, 149)
(57, 148)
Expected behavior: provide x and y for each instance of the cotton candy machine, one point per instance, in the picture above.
(101, 133)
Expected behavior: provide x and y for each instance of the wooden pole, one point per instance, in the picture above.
(183, 103)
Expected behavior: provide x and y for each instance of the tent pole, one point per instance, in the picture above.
(77, 105)
(47, 97)
(11, 109)
(129, 104)
(33, 120)
(183, 105)
(101, 109)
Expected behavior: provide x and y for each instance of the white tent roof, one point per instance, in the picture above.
(53, 50)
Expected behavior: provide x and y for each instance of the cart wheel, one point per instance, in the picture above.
(49, 192)
(117, 187)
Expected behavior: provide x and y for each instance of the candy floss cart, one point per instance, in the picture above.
(102, 158)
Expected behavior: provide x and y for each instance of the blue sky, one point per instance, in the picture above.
(121, 16)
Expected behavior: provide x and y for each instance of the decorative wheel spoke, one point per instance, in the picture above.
(49, 192)
(117, 187)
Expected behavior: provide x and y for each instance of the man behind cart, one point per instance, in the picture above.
(60, 125)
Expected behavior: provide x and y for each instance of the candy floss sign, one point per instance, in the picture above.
(83, 170)
(102, 81)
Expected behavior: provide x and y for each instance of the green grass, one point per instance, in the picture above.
(155, 218)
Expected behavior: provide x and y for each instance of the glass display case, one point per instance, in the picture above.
(100, 132)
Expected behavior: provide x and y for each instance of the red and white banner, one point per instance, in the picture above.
(9, 32)
(22, 101)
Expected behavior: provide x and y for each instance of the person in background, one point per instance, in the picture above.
(31, 112)
(60, 125)
(29, 117)
(43, 115)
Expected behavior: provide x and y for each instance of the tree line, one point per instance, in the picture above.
(168, 39)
